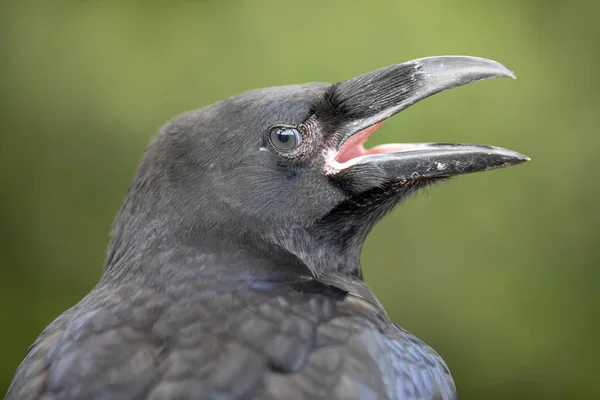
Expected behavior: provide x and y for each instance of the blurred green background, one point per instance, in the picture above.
(499, 272)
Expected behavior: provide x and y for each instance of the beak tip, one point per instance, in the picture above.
(521, 157)
(497, 69)
(516, 158)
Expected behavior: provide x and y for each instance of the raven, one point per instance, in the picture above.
(233, 269)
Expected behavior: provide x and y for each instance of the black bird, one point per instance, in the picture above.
(233, 270)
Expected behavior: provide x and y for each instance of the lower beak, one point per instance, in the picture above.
(439, 160)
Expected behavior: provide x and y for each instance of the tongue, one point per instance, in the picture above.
(391, 148)
(353, 146)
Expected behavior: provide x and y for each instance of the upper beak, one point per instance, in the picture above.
(368, 99)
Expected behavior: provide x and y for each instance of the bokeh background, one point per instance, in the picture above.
(499, 272)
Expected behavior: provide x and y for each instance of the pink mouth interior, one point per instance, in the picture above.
(353, 148)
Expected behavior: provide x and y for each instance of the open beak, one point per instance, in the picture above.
(364, 102)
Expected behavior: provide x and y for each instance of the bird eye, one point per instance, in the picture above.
(285, 138)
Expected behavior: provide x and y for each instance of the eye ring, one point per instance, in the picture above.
(285, 138)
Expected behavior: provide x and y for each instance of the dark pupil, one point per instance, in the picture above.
(283, 137)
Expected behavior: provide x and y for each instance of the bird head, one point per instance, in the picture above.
(285, 168)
